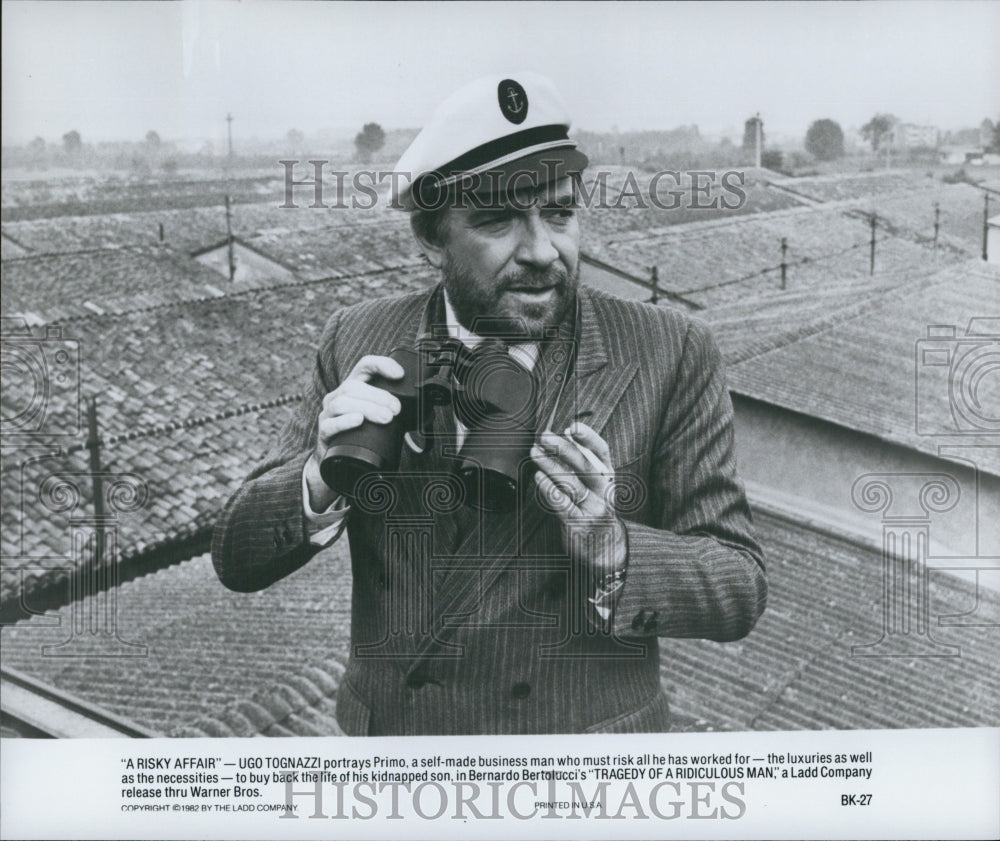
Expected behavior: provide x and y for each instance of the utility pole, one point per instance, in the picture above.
(229, 127)
(986, 222)
(784, 264)
(654, 279)
(96, 479)
(229, 241)
(871, 267)
(937, 224)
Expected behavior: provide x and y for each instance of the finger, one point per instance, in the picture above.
(554, 495)
(548, 464)
(577, 459)
(570, 497)
(586, 436)
(369, 366)
(363, 391)
(587, 500)
(344, 404)
(328, 427)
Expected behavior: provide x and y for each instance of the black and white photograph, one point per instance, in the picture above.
(462, 417)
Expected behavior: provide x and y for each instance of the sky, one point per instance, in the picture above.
(113, 71)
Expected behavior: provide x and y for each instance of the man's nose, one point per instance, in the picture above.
(535, 246)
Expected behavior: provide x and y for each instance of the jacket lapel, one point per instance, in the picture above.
(482, 553)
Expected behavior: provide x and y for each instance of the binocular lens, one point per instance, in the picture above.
(344, 465)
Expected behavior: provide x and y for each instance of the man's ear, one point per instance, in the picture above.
(432, 248)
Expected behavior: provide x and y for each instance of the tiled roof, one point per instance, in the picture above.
(202, 357)
(10, 248)
(960, 217)
(796, 669)
(165, 372)
(856, 185)
(188, 229)
(54, 287)
(179, 344)
(617, 209)
(216, 659)
(856, 364)
(186, 475)
(269, 663)
(718, 262)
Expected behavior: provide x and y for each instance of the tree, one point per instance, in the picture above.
(152, 139)
(772, 159)
(295, 139)
(37, 147)
(825, 140)
(72, 142)
(370, 140)
(877, 128)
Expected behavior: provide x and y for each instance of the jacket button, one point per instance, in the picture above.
(415, 680)
(520, 690)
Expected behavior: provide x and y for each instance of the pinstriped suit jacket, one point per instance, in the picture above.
(464, 622)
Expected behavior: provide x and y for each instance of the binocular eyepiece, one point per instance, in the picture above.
(493, 397)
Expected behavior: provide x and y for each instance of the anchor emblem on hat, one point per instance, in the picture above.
(513, 101)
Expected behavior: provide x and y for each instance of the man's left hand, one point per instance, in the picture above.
(577, 479)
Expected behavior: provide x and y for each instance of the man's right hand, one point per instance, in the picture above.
(349, 405)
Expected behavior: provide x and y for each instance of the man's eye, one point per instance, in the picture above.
(561, 213)
(493, 222)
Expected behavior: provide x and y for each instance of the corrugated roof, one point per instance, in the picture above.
(859, 366)
(269, 663)
(720, 262)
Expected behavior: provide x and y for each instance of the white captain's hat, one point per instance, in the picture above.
(502, 132)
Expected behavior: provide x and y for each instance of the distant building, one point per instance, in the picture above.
(955, 154)
(912, 136)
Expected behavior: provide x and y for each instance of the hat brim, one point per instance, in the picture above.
(527, 174)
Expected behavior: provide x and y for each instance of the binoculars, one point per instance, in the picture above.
(493, 397)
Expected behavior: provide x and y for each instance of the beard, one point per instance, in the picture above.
(515, 318)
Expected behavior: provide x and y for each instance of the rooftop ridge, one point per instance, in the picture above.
(256, 290)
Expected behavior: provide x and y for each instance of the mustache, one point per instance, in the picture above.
(529, 278)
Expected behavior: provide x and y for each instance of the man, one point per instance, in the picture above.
(629, 521)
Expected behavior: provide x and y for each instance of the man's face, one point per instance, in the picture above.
(520, 260)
